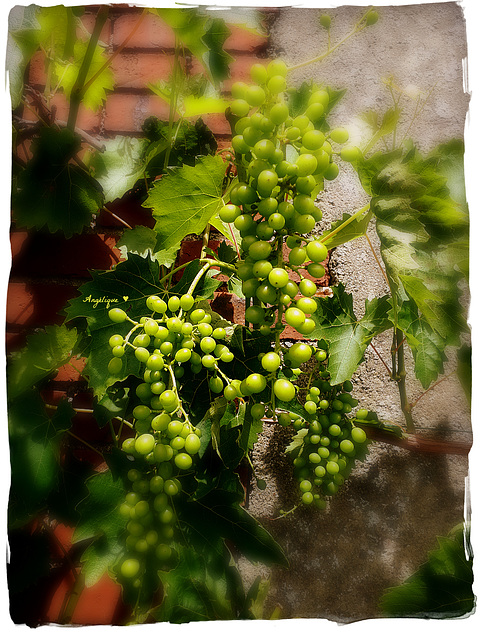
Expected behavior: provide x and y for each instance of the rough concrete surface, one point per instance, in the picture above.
(380, 527)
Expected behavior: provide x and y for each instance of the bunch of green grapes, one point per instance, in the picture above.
(174, 336)
(274, 202)
(330, 443)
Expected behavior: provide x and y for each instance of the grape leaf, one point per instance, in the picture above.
(185, 199)
(142, 241)
(67, 73)
(119, 166)
(45, 352)
(23, 38)
(346, 336)
(53, 192)
(442, 586)
(464, 369)
(219, 511)
(127, 286)
(189, 26)
(101, 521)
(217, 60)
(354, 229)
(34, 453)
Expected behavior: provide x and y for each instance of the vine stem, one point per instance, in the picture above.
(401, 375)
(356, 29)
(377, 260)
(114, 215)
(80, 85)
(71, 600)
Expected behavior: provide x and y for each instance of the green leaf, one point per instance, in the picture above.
(185, 199)
(346, 336)
(354, 229)
(100, 520)
(120, 166)
(53, 192)
(441, 588)
(205, 287)
(217, 60)
(127, 286)
(464, 369)
(189, 26)
(142, 241)
(219, 511)
(44, 353)
(23, 38)
(67, 73)
(197, 106)
(251, 429)
(34, 453)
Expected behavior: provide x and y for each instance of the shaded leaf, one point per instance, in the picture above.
(346, 336)
(216, 59)
(53, 192)
(142, 241)
(45, 352)
(354, 229)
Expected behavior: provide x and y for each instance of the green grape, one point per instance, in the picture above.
(277, 68)
(347, 446)
(358, 435)
(278, 113)
(316, 251)
(278, 277)
(267, 181)
(306, 164)
(290, 289)
(350, 154)
(316, 270)
(258, 73)
(325, 21)
(276, 221)
(255, 382)
(251, 135)
(249, 288)
(174, 303)
(307, 287)
(130, 568)
(284, 390)
(307, 305)
(303, 223)
(266, 293)
(271, 361)
(305, 185)
(118, 351)
(300, 352)
(239, 90)
(315, 111)
(313, 140)
(208, 361)
(339, 135)
(254, 314)
(117, 315)
(320, 96)
(115, 366)
(254, 96)
(183, 355)
(331, 172)
(159, 306)
(362, 414)
(155, 362)
(260, 250)
(142, 340)
(310, 407)
(294, 317)
(292, 133)
(307, 497)
(297, 256)
(166, 348)
(264, 230)
(240, 107)
(302, 122)
(205, 328)
(192, 444)
(244, 222)
(215, 384)
(116, 341)
(286, 209)
(371, 18)
(144, 444)
(303, 204)
(267, 206)
(277, 84)
(246, 194)
(264, 149)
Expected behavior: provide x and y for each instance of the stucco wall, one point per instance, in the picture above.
(379, 528)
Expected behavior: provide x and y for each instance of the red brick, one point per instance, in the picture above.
(52, 255)
(87, 120)
(244, 40)
(128, 209)
(217, 123)
(125, 113)
(136, 70)
(71, 372)
(37, 304)
(152, 32)
(36, 71)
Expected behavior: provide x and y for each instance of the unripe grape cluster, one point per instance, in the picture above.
(283, 160)
(330, 443)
